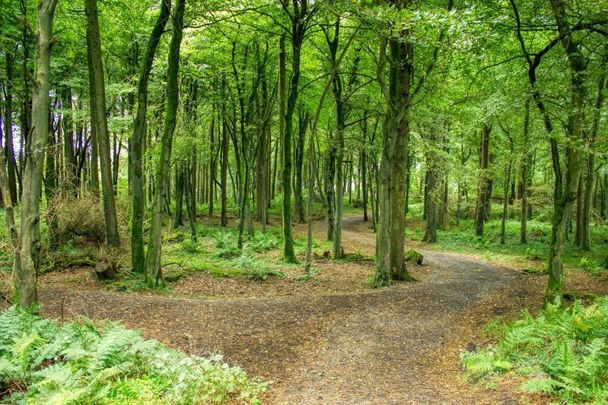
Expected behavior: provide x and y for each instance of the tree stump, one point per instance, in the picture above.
(105, 271)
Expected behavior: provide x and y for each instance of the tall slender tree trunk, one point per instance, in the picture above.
(212, 165)
(138, 141)
(224, 172)
(299, 22)
(523, 232)
(430, 194)
(71, 173)
(153, 268)
(590, 176)
(364, 188)
(11, 164)
(99, 120)
(51, 179)
(330, 179)
(505, 201)
(303, 120)
(27, 257)
(482, 191)
(179, 197)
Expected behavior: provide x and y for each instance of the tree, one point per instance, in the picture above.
(27, 257)
(99, 122)
(153, 271)
(138, 138)
(300, 18)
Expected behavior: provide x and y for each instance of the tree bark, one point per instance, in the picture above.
(299, 23)
(393, 165)
(27, 257)
(565, 196)
(153, 271)
(139, 138)
(224, 170)
(482, 192)
(11, 164)
(99, 120)
(523, 232)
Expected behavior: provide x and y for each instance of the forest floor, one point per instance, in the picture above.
(341, 344)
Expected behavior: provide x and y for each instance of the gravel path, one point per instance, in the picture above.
(394, 345)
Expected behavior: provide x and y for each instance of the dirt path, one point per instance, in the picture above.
(388, 346)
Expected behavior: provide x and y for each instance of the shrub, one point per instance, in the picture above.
(262, 242)
(42, 362)
(189, 246)
(256, 269)
(562, 352)
(226, 244)
(79, 218)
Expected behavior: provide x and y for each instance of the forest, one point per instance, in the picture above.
(304, 201)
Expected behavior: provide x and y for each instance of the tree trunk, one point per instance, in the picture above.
(178, 219)
(27, 258)
(99, 120)
(523, 237)
(51, 185)
(482, 193)
(70, 165)
(153, 267)
(590, 177)
(11, 164)
(565, 196)
(303, 120)
(224, 172)
(299, 23)
(364, 166)
(430, 194)
(138, 141)
(505, 202)
(393, 166)
(330, 178)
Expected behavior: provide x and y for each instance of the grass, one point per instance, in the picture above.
(534, 254)
(563, 353)
(79, 362)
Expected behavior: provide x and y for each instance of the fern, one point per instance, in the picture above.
(563, 352)
(79, 363)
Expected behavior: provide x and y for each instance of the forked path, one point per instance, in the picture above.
(385, 346)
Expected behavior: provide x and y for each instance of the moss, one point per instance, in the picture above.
(414, 256)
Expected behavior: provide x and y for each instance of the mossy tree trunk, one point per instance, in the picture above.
(153, 267)
(482, 190)
(300, 16)
(523, 231)
(9, 150)
(565, 194)
(27, 256)
(139, 138)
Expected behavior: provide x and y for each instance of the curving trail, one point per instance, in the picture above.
(395, 345)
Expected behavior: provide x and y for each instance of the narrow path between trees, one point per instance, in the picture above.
(388, 346)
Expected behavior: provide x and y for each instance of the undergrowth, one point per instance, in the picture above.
(560, 352)
(43, 362)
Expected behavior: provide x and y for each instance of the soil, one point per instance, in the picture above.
(330, 340)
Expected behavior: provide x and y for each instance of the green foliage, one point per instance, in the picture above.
(262, 242)
(226, 244)
(81, 363)
(459, 238)
(256, 269)
(189, 246)
(562, 352)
